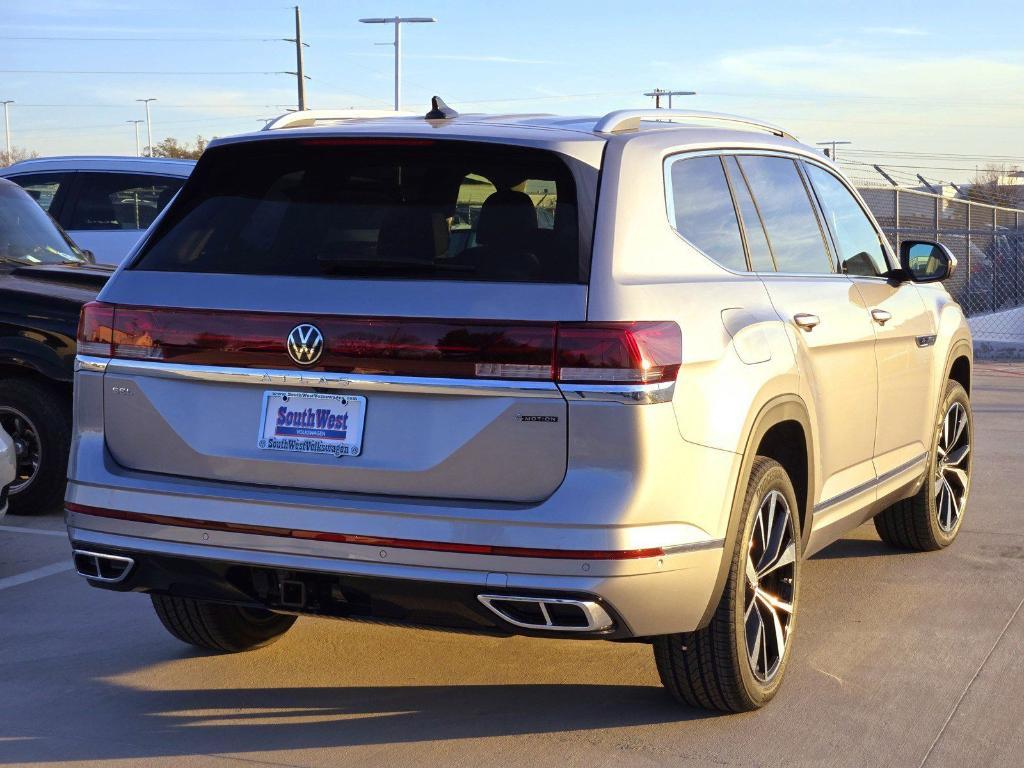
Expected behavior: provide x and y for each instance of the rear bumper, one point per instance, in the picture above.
(648, 596)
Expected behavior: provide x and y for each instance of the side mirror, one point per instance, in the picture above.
(926, 262)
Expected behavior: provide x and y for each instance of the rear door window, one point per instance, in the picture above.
(701, 210)
(120, 201)
(789, 218)
(412, 209)
(47, 189)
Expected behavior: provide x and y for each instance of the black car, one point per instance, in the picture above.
(44, 280)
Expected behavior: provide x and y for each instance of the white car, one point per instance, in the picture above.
(8, 468)
(103, 203)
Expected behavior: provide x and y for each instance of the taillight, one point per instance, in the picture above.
(95, 329)
(619, 353)
(612, 353)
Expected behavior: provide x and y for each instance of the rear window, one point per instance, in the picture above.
(375, 208)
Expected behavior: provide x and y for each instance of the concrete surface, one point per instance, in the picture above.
(900, 660)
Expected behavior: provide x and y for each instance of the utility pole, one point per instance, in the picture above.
(136, 124)
(300, 76)
(149, 125)
(7, 128)
(398, 21)
(832, 144)
(657, 93)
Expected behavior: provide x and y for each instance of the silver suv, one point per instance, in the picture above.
(565, 377)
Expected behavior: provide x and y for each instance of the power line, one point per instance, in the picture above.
(134, 39)
(129, 72)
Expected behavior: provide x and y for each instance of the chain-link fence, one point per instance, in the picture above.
(988, 242)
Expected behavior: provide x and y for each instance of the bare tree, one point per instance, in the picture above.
(171, 147)
(17, 155)
(993, 186)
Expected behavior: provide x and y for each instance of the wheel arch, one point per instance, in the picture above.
(779, 424)
(960, 365)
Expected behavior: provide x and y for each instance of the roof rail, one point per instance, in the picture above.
(629, 120)
(310, 117)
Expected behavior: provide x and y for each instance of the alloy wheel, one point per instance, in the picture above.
(953, 466)
(28, 449)
(770, 586)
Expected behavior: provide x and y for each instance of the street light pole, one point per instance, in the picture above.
(136, 124)
(832, 144)
(149, 125)
(7, 128)
(398, 21)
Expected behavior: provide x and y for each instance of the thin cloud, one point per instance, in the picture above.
(478, 58)
(896, 31)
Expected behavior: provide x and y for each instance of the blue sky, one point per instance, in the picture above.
(924, 77)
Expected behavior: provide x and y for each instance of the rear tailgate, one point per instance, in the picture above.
(436, 312)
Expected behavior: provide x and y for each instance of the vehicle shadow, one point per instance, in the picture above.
(851, 548)
(103, 719)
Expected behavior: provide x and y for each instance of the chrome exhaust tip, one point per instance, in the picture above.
(98, 566)
(553, 614)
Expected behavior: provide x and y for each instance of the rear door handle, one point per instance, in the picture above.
(880, 316)
(806, 321)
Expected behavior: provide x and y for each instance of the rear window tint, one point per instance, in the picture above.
(378, 208)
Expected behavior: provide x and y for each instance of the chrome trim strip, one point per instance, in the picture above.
(627, 394)
(597, 618)
(324, 380)
(867, 486)
(693, 546)
(89, 363)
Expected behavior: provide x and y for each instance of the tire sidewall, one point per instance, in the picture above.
(775, 478)
(45, 407)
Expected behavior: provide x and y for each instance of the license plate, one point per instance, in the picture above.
(312, 423)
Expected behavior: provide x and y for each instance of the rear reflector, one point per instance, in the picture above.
(621, 353)
(370, 541)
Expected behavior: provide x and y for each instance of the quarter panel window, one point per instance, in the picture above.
(757, 242)
(121, 201)
(703, 210)
(789, 218)
(860, 249)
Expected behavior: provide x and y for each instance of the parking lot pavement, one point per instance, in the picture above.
(900, 660)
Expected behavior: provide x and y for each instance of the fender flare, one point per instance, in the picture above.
(46, 365)
(775, 411)
(959, 348)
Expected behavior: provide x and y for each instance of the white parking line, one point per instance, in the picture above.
(40, 531)
(38, 573)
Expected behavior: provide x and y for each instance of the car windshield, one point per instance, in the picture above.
(28, 235)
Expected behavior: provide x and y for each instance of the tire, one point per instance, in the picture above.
(712, 667)
(217, 626)
(38, 416)
(931, 519)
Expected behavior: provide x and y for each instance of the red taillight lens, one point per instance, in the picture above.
(95, 329)
(613, 353)
(619, 353)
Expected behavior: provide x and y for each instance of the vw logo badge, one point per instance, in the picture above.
(305, 344)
